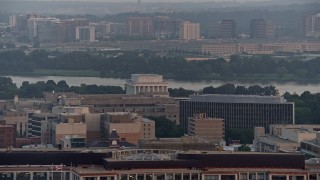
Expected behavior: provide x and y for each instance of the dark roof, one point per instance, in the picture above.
(114, 134)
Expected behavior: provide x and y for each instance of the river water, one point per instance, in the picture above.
(291, 87)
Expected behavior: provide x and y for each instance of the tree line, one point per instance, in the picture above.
(307, 105)
(127, 63)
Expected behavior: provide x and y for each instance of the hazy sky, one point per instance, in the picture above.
(152, 0)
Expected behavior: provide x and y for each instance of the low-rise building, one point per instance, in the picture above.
(130, 126)
(284, 137)
(210, 129)
(7, 136)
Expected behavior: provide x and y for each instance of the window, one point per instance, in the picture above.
(211, 177)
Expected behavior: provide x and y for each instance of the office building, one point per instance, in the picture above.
(7, 136)
(129, 126)
(68, 131)
(189, 30)
(311, 148)
(13, 21)
(152, 84)
(43, 29)
(19, 119)
(239, 111)
(85, 34)
(208, 128)
(260, 28)
(40, 121)
(166, 28)
(227, 28)
(284, 137)
(139, 27)
(311, 25)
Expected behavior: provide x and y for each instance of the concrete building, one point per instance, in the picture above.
(147, 84)
(166, 28)
(239, 111)
(38, 121)
(144, 164)
(210, 129)
(311, 148)
(43, 29)
(139, 27)
(70, 109)
(185, 143)
(145, 105)
(284, 137)
(129, 126)
(7, 136)
(70, 129)
(85, 34)
(311, 25)
(260, 28)
(19, 119)
(13, 21)
(260, 48)
(227, 28)
(189, 30)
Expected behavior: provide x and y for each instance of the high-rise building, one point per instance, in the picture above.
(189, 31)
(85, 33)
(139, 27)
(239, 111)
(311, 25)
(166, 28)
(227, 28)
(12, 21)
(260, 28)
(43, 29)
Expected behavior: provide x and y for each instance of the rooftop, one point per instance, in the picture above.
(222, 98)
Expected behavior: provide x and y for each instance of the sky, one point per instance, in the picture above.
(152, 0)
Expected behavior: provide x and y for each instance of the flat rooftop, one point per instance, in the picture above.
(222, 98)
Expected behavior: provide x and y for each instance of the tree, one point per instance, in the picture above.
(244, 147)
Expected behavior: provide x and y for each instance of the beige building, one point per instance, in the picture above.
(93, 122)
(129, 126)
(70, 109)
(19, 118)
(184, 143)
(284, 138)
(147, 84)
(189, 31)
(70, 129)
(311, 148)
(145, 105)
(260, 48)
(210, 129)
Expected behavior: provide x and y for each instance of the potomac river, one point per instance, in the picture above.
(192, 85)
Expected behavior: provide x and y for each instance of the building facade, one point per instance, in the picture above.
(210, 129)
(189, 30)
(147, 84)
(260, 28)
(85, 33)
(227, 28)
(139, 27)
(155, 164)
(239, 111)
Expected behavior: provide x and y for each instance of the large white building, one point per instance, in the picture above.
(147, 84)
(85, 33)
